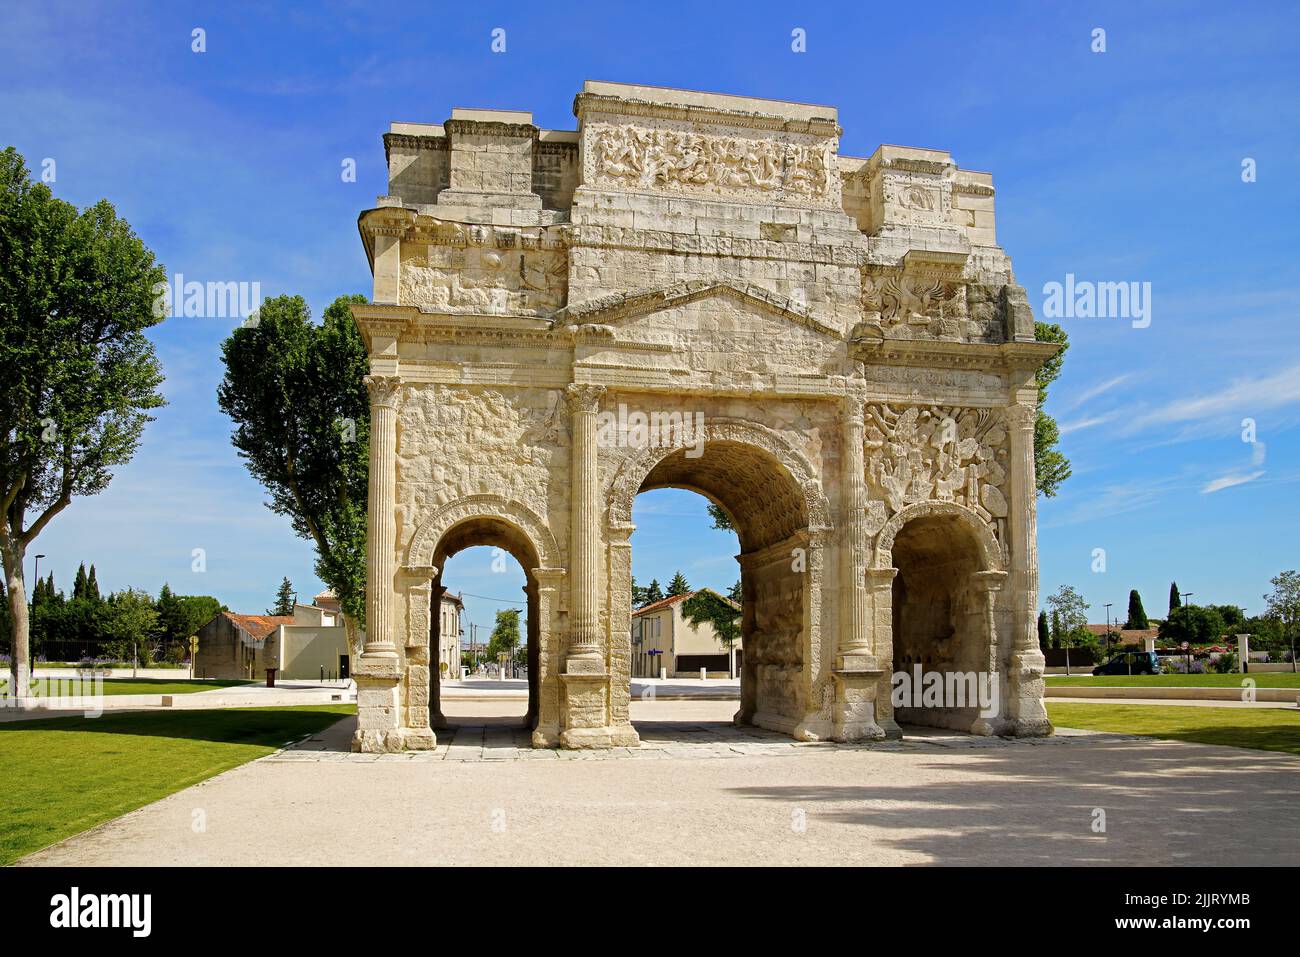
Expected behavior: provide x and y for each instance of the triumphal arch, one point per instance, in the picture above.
(700, 291)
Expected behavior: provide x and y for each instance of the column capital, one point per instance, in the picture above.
(990, 581)
(1021, 416)
(584, 396)
(383, 389)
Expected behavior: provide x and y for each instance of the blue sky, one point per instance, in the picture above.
(1115, 166)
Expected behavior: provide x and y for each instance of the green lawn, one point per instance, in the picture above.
(128, 686)
(63, 775)
(1262, 679)
(1267, 729)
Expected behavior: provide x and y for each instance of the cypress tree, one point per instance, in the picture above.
(678, 586)
(79, 583)
(1137, 616)
(1044, 631)
(92, 586)
(1175, 599)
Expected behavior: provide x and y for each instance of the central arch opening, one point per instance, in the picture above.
(756, 498)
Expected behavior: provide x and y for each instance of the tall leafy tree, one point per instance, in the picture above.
(654, 592)
(1137, 616)
(1051, 467)
(505, 634)
(92, 585)
(78, 289)
(79, 583)
(1044, 632)
(1175, 599)
(1284, 605)
(296, 393)
(678, 585)
(285, 598)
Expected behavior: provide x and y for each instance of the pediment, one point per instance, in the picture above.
(624, 308)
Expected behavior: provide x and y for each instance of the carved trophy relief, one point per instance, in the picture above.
(699, 162)
(936, 453)
(911, 305)
(486, 268)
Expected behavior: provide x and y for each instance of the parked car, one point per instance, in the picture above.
(1130, 663)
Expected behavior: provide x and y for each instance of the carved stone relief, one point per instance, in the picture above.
(495, 269)
(941, 454)
(628, 156)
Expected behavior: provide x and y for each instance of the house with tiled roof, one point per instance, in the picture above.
(310, 643)
(664, 640)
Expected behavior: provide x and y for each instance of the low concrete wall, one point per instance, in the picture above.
(1172, 694)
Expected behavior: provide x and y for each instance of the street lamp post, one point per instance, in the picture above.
(1108, 604)
(1188, 604)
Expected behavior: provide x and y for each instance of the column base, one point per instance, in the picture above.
(613, 736)
(1025, 693)
(854, 710)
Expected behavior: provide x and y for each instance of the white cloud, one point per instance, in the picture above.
(1080, 424)
(1100, 389)
(1228, 481)
(1245, 396)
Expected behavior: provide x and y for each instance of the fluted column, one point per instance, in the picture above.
(855, 634)
(381, 561)
(584, 535)
(1025, 670)
(1022, 526)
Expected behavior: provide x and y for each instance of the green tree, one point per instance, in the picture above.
(720, 518)
(1175, 599)
(1070, 612)
(130, 623)
(1137, 616)
(638, 594)
(297, 395)
(1192, 624)
(79, 583)
(736, 593)
(78, 289)
(653, 592)
(92, 585)
(181, 616)
(723, 615)
(1284, 605)
(505, 634)
(1044, 632)
(678, 585)
(1051, 467)
(285, 598)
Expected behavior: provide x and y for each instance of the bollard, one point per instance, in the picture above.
(663, 673)
(704, 674)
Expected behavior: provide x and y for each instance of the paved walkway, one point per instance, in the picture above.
(701, 795)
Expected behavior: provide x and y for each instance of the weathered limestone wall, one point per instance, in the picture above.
(845, 330)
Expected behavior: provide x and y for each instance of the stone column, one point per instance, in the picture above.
(880, 598)
(378, 671)
(585, 711)
(855, 635)
(1025, 671)
(857, 671)
(584, 654)
(381, 558)
(987, 585)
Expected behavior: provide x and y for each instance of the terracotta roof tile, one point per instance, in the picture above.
(258, 626)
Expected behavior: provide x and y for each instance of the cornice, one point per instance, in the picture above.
(585, 103)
